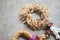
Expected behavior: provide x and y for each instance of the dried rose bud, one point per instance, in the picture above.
(49, 24)
(37, 37)
(32, 37)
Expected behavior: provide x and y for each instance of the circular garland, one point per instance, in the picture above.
(26, 16)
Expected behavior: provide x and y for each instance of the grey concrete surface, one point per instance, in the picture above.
(9, 16)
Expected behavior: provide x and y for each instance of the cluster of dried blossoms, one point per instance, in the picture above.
(26, 16)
